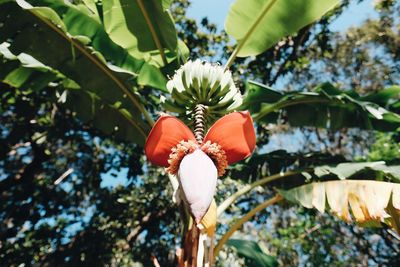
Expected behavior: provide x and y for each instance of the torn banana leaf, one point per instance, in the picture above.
(363, 201)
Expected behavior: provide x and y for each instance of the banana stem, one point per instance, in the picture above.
(199, 122)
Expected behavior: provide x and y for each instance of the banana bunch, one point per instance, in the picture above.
(198, 82)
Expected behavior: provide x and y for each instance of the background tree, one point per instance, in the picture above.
(56, 208)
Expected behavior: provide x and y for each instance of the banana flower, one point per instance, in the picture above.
(197, 165)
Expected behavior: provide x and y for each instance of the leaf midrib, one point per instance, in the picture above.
(152, 31)
(264, 12)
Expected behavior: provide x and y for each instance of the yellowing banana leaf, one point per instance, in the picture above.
(364, 201)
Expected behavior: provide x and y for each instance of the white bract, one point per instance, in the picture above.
(198, 178)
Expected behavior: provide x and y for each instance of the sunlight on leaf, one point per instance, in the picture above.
(257, 26)
(360, 200)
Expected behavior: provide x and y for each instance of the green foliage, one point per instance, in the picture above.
(388, 97)
(323, 240)
(80, 88)
(141, 28)
(74, 220)
(89, 67)
(325, 106)
(111, 119)
(353, 170)
(253, 254)
(257, 25)
(386, 147)
(23, 71)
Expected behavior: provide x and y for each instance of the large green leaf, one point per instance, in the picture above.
(388, 98)
(91, 5)
(259, 24)
(26, 73)
(23, 71)
(377, 170)
(83, 27)
(253, 254)
(143, 27)
(278, 161)
(55, 48)
(326, 107)
(110, 119)
(345, 170)
(371, 202)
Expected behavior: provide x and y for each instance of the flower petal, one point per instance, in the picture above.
(167, 132)
(198, 178)
(235, 134)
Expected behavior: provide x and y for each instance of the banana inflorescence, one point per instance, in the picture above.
(202, 83)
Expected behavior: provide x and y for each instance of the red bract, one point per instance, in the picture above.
(167, 132)
(233, 132)
(172, 144)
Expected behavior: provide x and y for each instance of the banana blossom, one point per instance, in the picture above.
(173, 145)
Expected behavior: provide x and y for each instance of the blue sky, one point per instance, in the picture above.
(217, 10)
